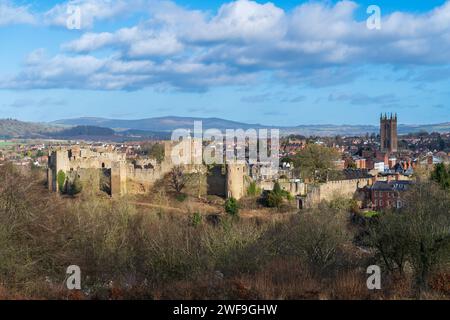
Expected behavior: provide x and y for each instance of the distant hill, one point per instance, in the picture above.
(159, 124)
(170, 123)
(11, 128)
(133, 133)
(84, 131)
(439, 127)
(160, 128)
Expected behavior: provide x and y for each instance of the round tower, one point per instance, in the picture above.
(235, 180)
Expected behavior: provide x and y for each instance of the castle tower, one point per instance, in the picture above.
(235, 180)
(58, 160)
(118, 178)
(388, 133)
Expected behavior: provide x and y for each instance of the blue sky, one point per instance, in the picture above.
(280, 62)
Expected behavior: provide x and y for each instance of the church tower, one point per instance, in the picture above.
(388, 133)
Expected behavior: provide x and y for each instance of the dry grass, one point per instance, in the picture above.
(128, 251)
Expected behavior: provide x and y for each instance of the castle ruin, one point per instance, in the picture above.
(93, 165)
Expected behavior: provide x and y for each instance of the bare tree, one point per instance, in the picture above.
(418, 234)
(177, 179)
(428, 212)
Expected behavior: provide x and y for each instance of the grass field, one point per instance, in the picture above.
(4, 143)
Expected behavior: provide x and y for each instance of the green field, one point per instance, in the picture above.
(6, 143)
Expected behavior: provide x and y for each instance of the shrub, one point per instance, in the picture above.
(181, 197)
(253, 189)
(61, 181)
(233, 247)
(232, 206)
(75, 187)
(277, 188)
(344, 204)
(315, 237)
(196, 219)
(276, 196)
(274, 200)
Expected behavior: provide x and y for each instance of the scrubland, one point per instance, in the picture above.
(161, 246)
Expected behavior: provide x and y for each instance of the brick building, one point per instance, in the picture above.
(387, 194)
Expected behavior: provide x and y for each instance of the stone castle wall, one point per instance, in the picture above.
(295, 188)
(140, 177)
(332, 189)
(89, 178)
(216, 181)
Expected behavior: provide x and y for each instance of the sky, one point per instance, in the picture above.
(282, 62)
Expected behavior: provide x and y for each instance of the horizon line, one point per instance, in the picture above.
(224, 119)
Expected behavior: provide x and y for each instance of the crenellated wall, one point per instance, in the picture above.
(137, 177)
(332, 189)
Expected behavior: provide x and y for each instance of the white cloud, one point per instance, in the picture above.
(12, 14)
(316, 21)
(112, 73)
(90, 42)
(243, 20)
(161, 44)
(135, 42)
(92, 11)
(318, 44)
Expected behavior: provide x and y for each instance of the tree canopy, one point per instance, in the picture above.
(315, 162)
(441, 175)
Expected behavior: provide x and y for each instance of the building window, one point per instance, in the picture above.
(381, 203)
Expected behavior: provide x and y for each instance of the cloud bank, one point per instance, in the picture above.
(315, 44)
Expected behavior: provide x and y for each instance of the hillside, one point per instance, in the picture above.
(11, 128)
(87, 132)
(84, 131)
(169, 123)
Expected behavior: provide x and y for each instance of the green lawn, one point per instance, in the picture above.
(370, 214)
